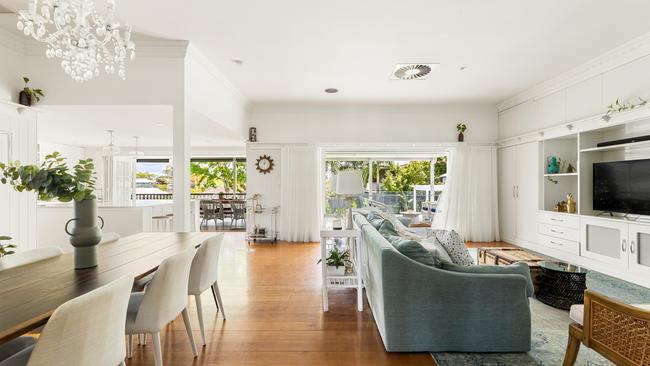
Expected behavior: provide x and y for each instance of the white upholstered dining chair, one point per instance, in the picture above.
(29, 256)
(87, 330)
(203, 275)
(164, 299)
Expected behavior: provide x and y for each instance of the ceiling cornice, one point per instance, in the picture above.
(626, 53)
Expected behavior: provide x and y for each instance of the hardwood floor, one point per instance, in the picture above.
(272, 298)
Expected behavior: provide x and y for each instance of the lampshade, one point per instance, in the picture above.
(349, 182)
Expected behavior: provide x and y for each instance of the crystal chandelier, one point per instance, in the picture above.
(77, 34)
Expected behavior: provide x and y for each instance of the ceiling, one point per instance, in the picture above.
(293, 49)
(69, 125)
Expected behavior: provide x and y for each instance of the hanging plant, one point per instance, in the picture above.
(618, 107)
(27, 95)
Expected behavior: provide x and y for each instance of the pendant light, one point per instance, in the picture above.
(111, 149)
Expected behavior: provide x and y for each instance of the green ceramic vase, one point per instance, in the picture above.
(85, 234)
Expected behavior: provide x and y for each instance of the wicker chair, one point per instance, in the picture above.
(238, 212)
(619, 332)
(212, 210)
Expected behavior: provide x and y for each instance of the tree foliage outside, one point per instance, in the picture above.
(210, 175)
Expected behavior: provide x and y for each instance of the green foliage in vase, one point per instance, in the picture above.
(53, 179)
(461, 128)
(6, 249)
(32, 93)
(337, 258)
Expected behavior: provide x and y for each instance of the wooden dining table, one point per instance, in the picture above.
(29, 294)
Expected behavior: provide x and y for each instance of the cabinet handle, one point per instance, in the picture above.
(517, 191)
(624, 246)
(557, 232)
(513, 190)
(632, 247)
(552, 242)
(554, 219)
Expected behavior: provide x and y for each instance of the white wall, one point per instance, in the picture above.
(268, 185)
(323, 123)
(72, 153)
(10, 75)
(586, 91)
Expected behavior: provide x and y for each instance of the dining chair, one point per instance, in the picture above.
(203, 275)
(619, 332)
(238, 212)
(29, 256)
(212, 210)
(164, 299)
(87, 330)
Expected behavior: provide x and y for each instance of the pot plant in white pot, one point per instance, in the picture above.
(336, 261)
(53, 179)
(6, 249)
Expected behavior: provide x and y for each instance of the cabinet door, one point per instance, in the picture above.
(507, 190)
(526, 191)
(639, 249)
(604, 240)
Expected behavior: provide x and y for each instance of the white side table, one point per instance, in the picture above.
(352, 239)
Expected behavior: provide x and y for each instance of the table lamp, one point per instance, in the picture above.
(349, 183)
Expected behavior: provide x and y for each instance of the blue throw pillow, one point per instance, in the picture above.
(520, 268)
(411, 249)
(375, 220)
(387, 229)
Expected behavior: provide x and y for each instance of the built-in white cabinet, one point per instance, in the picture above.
(585, 99)
(551, 109)
(519, 192)
(604, 240)
(639, 249)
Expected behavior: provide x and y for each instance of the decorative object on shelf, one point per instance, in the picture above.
(571, 169)
(255, 204)
(618, 107)
(461, 128)
(349, 183)
(560, 207)
(252, 134)
(337, 260)
(6, 249)
(83, 38)
(53, 179)
(264, 164)
(571, 206)
(337, 224)
(110, 149)
(553, 180)
(27, 95)
(553, 165)
(261, 231)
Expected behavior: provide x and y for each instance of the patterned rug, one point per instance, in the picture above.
(550, 331)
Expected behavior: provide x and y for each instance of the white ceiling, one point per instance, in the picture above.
(70, 125)
(293, 49)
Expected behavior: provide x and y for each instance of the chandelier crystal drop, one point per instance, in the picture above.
(84, 40)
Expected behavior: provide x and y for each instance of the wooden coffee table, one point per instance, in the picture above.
(505, 256)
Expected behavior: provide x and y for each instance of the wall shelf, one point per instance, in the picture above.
(616, 147)
(562, 175)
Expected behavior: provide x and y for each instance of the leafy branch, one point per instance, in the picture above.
(32, 93)
(618, 107)
(6, 249)
(53, 179)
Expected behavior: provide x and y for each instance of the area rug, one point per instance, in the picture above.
(550, 331)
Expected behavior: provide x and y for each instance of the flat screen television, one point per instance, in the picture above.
(622, 186)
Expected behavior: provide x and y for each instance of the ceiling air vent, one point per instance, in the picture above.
(412, 71)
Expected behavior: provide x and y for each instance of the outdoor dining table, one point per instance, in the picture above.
(29, 294)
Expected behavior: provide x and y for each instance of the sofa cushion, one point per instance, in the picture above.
(411, 249)
(387, 229)
(520, 268)
(577, 311)
(375, 220)
(437, 250)
(455, 247)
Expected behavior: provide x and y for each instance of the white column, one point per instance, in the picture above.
(370, 179)
(181, 164)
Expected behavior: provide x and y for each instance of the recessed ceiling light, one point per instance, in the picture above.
(463, 68)
(237, 61)
(331, 90)
(412, 71)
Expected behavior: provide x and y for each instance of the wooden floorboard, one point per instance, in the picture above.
(272, 299)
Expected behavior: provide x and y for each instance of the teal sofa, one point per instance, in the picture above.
(420, 308)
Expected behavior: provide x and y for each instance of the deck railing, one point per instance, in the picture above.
(196, 196)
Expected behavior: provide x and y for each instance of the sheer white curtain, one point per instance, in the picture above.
(469, 203)
(301, 197)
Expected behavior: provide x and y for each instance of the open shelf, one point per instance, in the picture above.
(562, 175)
(617, 147)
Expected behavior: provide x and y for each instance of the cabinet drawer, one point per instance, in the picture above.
(565, 220)
(560, 232)
(559, 244)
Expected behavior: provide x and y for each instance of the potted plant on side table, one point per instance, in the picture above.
(53, 179)
(336, 261)
(6, 249)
